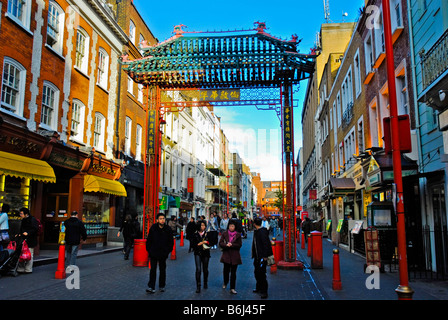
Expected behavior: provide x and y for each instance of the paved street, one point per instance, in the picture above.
(109, 277)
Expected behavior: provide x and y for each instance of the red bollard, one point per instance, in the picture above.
(303, 241)
(60, 272)
(182, 238)
(173, 253)
(275, 252)
(140, 258)
(316, 247)
(337, 283)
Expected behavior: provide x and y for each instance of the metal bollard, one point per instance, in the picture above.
(60, 272)
(337, 283)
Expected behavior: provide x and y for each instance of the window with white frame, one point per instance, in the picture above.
(82, 50)
(360, 135)
(140, 93)
(138, 143)
(55, 28)
(78, 116)
(368, 49)
(127, 136)
(357, 71)
(13, 87)
(339, 110)
(347, 91)
(349, 148)
(396, 14)
(130, 85)
(50, 102)
(103, 68)
(380, 45)
(142, 38)
(132, 31)
(99, 132)
(20, 11)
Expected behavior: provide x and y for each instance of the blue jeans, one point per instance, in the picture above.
(72, 253)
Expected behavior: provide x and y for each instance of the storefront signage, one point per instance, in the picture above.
(287, 129)
(340, 223)
(98, 168)
(170, 96)
(152, 132)
(190, 185)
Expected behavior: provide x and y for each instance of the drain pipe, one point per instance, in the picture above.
(117, 126)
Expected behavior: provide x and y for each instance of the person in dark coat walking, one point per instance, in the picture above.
(261, 250)
(230, 243)
(201, 246)
(191, 229)
(28, 230)
(74, 232)
(159, 244)
(130, 229)
(306, 228)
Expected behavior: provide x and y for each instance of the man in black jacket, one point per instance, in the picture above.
(74, 232)
(159, 244)
(261, 250)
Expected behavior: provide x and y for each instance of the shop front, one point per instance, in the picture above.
(24, 171)
(86, 183)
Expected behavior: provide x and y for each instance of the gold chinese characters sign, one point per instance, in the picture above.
(212, 95)
(152, 132)
(287, 128)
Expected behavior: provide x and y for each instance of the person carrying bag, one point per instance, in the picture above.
(4, 226)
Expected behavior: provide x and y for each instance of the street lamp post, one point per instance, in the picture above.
(404, 291)
(228, 190)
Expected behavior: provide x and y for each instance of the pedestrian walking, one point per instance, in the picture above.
(223, 224)
(28, 230)
(130, 228)
(201, 245)
(306, 228)
(159, 244)
(273, 225)
(74, 232)
(191, 229)
(212, 229)
(174, 224)
(4, 226)
(261, 250)
(230, 243)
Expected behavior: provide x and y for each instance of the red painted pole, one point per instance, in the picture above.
(337, 283)
(404, 291)
(182, 238)
(60, 272)
(173, 252)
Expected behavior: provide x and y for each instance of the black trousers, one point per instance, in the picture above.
(230, 269)
(161, 262)
(201, 267)
(260, 276)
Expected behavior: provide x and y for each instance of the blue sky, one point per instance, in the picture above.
(255, 134)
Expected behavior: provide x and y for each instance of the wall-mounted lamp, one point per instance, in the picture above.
(442, 95)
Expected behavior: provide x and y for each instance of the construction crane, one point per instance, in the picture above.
(327, 10)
